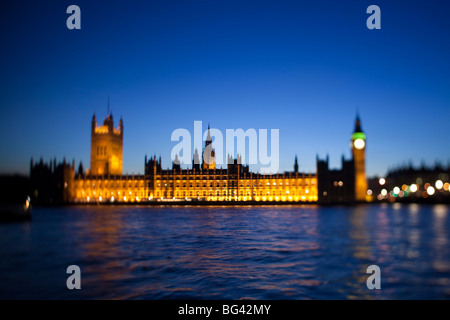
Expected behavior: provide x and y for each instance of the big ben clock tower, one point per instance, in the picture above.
(358, 145)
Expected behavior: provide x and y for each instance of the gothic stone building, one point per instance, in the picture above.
(105, 183)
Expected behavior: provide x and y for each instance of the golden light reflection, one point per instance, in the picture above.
(440, 243)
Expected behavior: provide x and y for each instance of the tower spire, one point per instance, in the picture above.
(107, 111)
(358, 123)
(208, 154)
(208, 138)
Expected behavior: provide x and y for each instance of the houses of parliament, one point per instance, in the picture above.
(104, 181)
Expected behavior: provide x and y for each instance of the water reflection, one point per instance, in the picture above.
(361, 250)
(102, 240)
(440, 244)
(298, 252)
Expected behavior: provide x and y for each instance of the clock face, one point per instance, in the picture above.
(359, 144)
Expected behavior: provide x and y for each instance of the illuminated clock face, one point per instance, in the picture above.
(359, 144)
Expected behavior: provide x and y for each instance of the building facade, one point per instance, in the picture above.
(104, 181)
(235, 183)
(348, 184)
(336, 185)
(52, 182)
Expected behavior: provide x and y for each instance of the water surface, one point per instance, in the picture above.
(296, 252)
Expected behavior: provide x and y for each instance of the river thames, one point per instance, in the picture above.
(244, 252)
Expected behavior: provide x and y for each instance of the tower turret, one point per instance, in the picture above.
(106, 147)
(94, 123)
(121, 126)
(196, 161)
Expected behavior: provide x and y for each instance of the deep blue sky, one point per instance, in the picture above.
(303, 67)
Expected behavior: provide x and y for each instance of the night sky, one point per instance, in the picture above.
(303, 67)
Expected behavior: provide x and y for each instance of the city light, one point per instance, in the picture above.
(396, 190)
(413, 188)
(430, 190)
(369, 192)
(384, 192)
(382, 181)
(439, 184)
